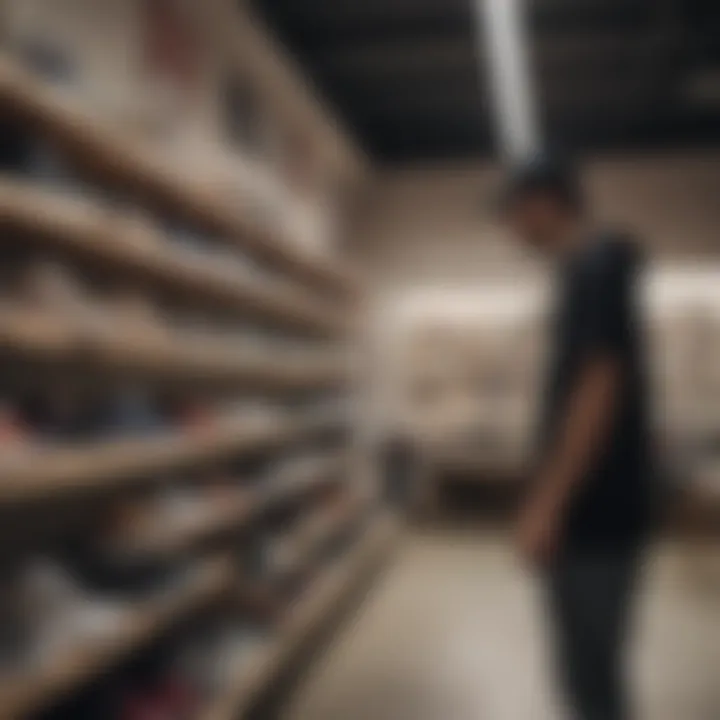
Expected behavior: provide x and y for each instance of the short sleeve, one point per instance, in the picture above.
(603, 302)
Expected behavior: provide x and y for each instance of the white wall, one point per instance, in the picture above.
(431, 248)
(435, 225)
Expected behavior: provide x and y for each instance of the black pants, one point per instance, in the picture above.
(590, 600)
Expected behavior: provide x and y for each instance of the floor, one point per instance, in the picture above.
(453, 631)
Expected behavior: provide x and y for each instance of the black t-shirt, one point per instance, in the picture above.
(597, 315)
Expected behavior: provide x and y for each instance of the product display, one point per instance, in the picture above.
(166, 427)
(64, 613)
(34, 156)
(49, 289)
(17, 622)
(213, 253)
(211, 659)
(13, 432)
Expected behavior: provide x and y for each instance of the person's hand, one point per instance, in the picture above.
(538, 532)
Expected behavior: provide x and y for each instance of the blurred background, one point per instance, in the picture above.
(261, 337)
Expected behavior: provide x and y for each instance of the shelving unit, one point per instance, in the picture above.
(231, 514)
(89, 232)
(117, 160)
(43, 337)
(302, 622)
(32, 690)
(234, 370)
(42, 473)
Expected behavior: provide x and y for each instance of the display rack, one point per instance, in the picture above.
(340, 529)
(46, 337)
(89, 232)
(235, 514)
(25, 693)
(117, 160)
(46, 472)
(253, 679)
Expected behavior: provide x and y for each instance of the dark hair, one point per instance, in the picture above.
(543, 174)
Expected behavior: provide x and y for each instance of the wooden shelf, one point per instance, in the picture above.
(267, 279)
(35, 473)
(87, 231)
(32, 691)
(167, 357)
(121, 161)
(213, 518)
(300, 482)
(220, 517)
(318, 530)
(306, 618)
(263, 598)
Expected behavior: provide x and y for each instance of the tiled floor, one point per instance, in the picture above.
(454, 632)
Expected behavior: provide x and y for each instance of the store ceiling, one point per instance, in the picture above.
(609, 74)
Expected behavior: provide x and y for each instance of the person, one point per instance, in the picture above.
(588, 515)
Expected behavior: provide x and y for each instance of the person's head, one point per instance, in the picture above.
(542, 202)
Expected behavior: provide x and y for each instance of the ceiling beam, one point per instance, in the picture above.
(315, 25)
(405, 57)
(448, 55)
(456, 137)
(603, 95)
(470, 91)
(351, 11)
(605, 102)
(436, 100)
(330, 21)
(588, 5)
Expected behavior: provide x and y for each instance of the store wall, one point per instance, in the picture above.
(431, 246)
(435, 226)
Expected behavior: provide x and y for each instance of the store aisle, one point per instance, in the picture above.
(453, 632)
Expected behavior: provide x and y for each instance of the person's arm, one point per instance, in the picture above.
(582, 433)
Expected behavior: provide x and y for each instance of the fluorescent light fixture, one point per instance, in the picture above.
(501, 34)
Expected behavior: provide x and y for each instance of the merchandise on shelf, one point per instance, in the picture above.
(158, 272)
(132, 413)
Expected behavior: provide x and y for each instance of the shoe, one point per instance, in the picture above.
(137, 319)
(13, 432)
(101, 558)
(64, 615)
(48, 287)
(132, 413)
(17, 624)
(169, 699)
(60, 416)
(212, 660)
(194, 244)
